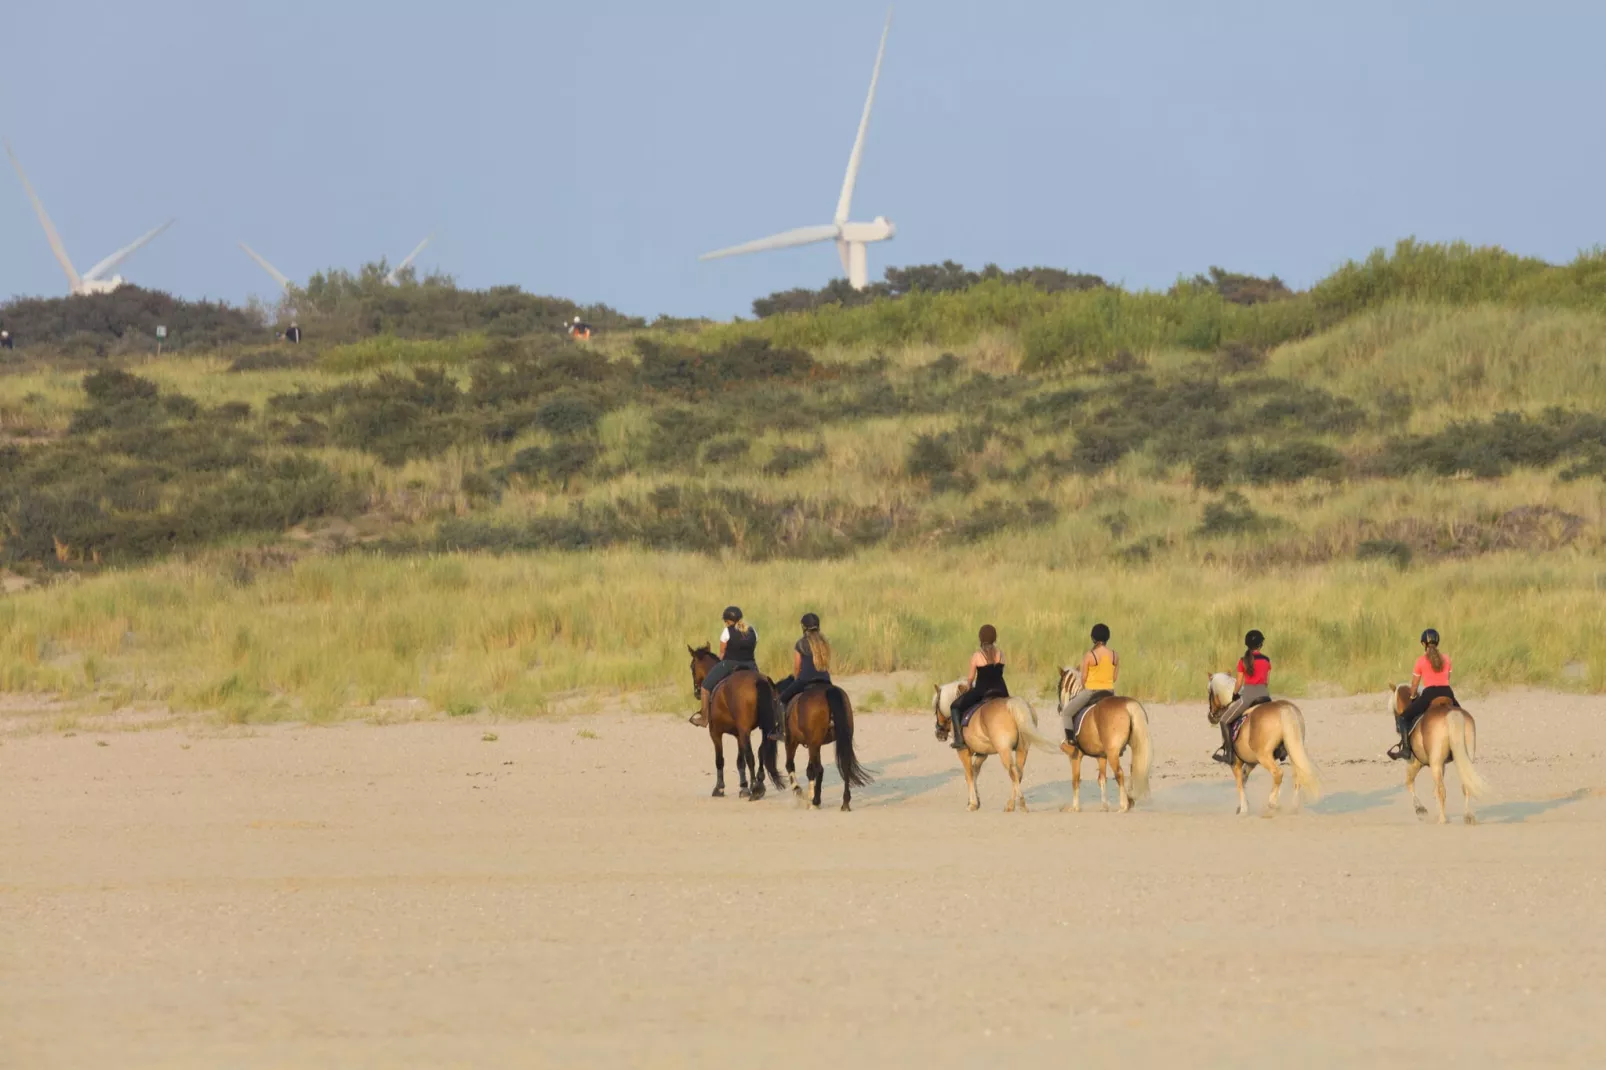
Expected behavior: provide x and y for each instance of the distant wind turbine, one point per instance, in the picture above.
(391, 278)
(95, 280)
(850, 238)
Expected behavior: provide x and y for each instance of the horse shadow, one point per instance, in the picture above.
(1357, 802)
(1515, 813)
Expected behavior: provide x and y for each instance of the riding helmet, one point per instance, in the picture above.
(732, 614)
(810, 621)
(1254, 640)
(1101, 633)
(1431, 636)
(988, 635)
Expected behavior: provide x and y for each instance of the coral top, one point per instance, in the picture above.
(1424, 669)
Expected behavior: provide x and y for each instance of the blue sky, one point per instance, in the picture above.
(593, 150)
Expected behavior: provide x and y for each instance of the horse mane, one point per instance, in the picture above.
(1221, 689)
(946, 693)
(706, 648)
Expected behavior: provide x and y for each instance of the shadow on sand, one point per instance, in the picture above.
(1358, 802)
(1515, 813)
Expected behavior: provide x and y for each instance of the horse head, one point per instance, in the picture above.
(702, 659)
(1218, 694)
(1399, 699)
(1070, 684)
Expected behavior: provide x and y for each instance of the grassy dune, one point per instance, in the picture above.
(490, 524)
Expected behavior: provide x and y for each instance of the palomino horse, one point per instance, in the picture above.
(1446, 733)
(1106, 730)
(734, 712)
(1265, 728)
(817, 716)
(1002, 726)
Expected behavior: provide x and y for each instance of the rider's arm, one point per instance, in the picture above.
(975, 663)
(1087, 665)
(1115, 667)
(722, 650)
(1237, 688)
(797, 663)
(1416, 684)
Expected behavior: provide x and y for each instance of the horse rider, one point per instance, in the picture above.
(1429, 680)
(1100, 666)
(1253, 688)
(738, 649)
(986, 680)
(811, 662)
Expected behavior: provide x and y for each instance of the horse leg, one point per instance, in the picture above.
(1104, 798)
(1238, 774)
(1468, 817)
(791, 763)
(1274, 767)
(1412, 768)
(1076, 782)
(1124, 801)
(1438, 788)
(1007, 757)
(719, 764)
(757, 790)
(816, 772)
(971, 764)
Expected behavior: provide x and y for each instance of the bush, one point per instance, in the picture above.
(1290, 463)
(1232, 515)
(1385, 549)
(558, 463)
(788, 459)
(568, 414)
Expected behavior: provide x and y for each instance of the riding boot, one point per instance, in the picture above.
(956, 722)
(700, 718)
(775, 731)
(1224, 755)
(1402, 752)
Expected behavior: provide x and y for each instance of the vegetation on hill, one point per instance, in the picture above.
(1419, 434)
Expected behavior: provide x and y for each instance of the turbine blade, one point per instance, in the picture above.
(396, 271)
(278, 276)
(800, 236)
(858, 265)
(842, 254)
(845, 203)
(50, 229)
(122, 254)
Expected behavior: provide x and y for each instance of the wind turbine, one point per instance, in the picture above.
(391, 278)
(850, 238)
(95, 280)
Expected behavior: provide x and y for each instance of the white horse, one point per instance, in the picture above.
(1002, 726)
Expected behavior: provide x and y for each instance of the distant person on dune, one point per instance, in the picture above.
(292, 334)
(5, 340)
(579, 329)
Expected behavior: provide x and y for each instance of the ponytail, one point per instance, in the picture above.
(741, 626)
(819, 649)
(1252, 644)
(1435, 658)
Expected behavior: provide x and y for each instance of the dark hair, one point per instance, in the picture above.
(988, 635)
(1252, 644)
(1101, 633)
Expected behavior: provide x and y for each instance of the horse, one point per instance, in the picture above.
(1265, 728)
(815, 717)
(733, 711)
(1002, 726)
(1445, 733)
(1106, 730)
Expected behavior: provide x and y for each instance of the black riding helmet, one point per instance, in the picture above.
(1254, 640)
(810, 621)
(1431, 636)
(732, 614)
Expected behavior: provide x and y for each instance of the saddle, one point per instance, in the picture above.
(1081, 715)
(970, 711)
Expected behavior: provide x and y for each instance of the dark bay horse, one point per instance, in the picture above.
(734, 711)
(818, 716)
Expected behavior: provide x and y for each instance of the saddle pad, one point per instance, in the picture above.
(1081, 715)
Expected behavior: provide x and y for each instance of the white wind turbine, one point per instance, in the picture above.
(392, 278)
(850, 238)
(95, 280)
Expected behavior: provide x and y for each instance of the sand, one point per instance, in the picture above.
(568, 894)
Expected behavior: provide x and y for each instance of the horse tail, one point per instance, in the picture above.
(1455, 723)
(1306, 782)
(847, 763)
(1026, 724)
(1141, 754)
(767, 747)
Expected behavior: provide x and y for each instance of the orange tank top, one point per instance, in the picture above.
(1101, 677)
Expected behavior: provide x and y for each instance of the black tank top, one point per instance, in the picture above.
(990, 680)
(742, 646)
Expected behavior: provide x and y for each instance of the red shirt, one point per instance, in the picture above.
(1424, 669)
(1262, 671)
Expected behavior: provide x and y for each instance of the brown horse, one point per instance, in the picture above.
(734, 711)
(1002, 726)
(1445, 733)
(1105, 732)
(1265, 728)
(817, 716)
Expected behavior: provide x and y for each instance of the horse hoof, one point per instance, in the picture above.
(846, 808)
(1104, 808)
(1421, 811)
(973, 807)
(719, 793)
(796, 790)
(754, 796)
(1442, 821)
(1469, 820)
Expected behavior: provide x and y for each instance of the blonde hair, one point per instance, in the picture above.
(741, 626)
(819, 649)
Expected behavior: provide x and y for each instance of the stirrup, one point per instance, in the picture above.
(1222, 756)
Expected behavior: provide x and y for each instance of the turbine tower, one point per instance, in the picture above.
(95, 280)
(851, 238)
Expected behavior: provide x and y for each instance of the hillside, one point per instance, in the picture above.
(1417, 439)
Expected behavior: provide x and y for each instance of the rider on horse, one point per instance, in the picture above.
(811, 662)
(986, 680)
(1253, 688)
(738, 649)
(1100, 666)
(1430, 680)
